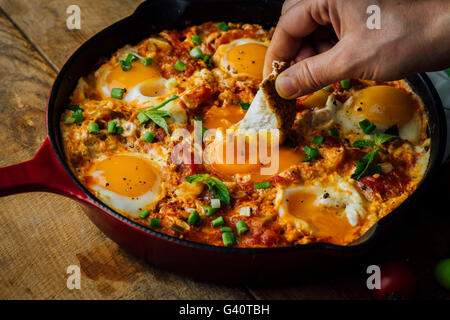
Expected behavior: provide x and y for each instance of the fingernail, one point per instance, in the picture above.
(286, 86)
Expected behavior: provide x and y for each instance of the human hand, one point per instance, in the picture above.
(329, 41)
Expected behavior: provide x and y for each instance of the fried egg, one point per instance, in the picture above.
(223, 117)
(242, 57)
(385, 106)
(240, 157)
(127, 182)
(142, 83)
(326, 211)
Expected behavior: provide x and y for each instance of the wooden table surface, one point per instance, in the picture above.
(41, 234)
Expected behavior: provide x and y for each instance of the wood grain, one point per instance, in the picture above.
(44, 23)
(42, 234)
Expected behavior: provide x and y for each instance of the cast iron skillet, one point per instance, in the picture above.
(49, 171)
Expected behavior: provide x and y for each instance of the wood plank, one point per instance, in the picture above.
(42, 234)
(421, 240)
(44, 23)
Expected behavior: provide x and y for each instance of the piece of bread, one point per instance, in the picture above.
(268, 111)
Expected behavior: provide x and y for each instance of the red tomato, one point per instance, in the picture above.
(397, 282)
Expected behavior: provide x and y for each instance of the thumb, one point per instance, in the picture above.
(312, 74)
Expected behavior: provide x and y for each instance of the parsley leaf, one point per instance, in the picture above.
(156, 115)
(363, 164)
(363, 143)
(217, 187)
(367, 126)
(381, 138)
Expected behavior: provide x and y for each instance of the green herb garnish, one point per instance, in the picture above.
(147, 61)
(318, 140)
(262, 185)
(196, 39)
(156, 115)
(217, 187)
(311, 153)
(363, 164)
(367, 126)
(223, 26)
(179, 66)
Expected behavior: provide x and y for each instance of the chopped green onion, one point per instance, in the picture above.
(228, 239)
(218, 222)
(155, 223)
(117, 93)
(223, 26)
(226, 229)
(334, 132)
(148, 136)
(311, 153)
(144, 214)
(241, 227)
(244, 105)
(147, 61)
(119, 130)
(345, 84)
(262, 185)
(112, 127)
(179, 66)
(194, 218)
(209, 211)
(93, 128)
(198, 118)
(196, 53)
(367, 126)
(196, 39)
(318, 140)
(131, 58)
(125, 65)
(75, 108)
(78, 116)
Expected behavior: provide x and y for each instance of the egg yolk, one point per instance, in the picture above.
(248, 58)
(244, 164)
(385, 105)
(117, 78)
(315, 100)
(126, 175)
(324, 220)
(223, 117)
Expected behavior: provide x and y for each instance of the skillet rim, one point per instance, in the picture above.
(440, 133)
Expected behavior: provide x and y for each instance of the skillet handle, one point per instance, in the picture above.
(42, 173)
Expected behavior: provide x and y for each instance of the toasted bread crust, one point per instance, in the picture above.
(283, 109)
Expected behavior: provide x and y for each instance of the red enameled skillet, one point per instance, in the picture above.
(47, 171)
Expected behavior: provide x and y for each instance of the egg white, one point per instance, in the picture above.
(131, 205)
(341, 195)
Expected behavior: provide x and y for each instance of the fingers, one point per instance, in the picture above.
(295, 24)
(313, 73)
(288, 4)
